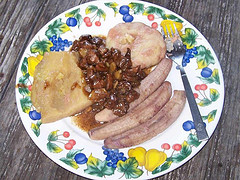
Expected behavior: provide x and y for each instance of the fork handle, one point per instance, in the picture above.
(197, 118)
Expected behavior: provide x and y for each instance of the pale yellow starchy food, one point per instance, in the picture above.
(57, 90)
(147, 44)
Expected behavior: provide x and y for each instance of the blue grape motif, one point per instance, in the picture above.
(188, 125)
(80, 158)
(34, 115)
(188, 55)
(59, 44)
(113, 156)
(124, 10)
(206, 72)
(128, 18)
(71, 21)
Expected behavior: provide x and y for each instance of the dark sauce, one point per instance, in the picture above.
(110, 79)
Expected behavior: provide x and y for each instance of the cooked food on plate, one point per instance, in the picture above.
(57, 90)
(136, 116)
(152, 127)
(113, 87)
(147, 87)
(147, 44)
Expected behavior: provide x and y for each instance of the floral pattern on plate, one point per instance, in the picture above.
(69, 147)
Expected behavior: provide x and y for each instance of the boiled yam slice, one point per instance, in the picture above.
(147, 45)
(57, 90)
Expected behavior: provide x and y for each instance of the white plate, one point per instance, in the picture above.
(183, 144)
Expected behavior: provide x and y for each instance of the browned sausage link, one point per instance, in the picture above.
(136, 116)
(147, 87)
(151, 128)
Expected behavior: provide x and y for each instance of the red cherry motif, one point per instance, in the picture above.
(154, 25)
(203, 87)
(165, 146)
(177, 147)
(150, 17)
(89, 24)
(72, 141)
(30, 87)
(68, 146)
(86, 19)
(195, 95)
(66, 134)
(198, 87)
(98, 23)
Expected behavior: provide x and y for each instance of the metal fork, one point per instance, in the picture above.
(176, 51)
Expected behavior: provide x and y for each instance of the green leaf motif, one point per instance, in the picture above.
(72, 13)
(202, 63)
(39, 123)
(163, 167)
(189, 38)
(101, 14)
(26, 104)
(185, 152)
(52, 147)
(193, 140)
(174, 18)
(24, 66)
(41, 46)
(57, 28)
(71, 154)
(24, 91)
(215, 76)
(70, 162)
(91, 9)
(205, 102)
(53, 136)
(129, 168)
(204, 57)
(112, 5)
(36, 128)
(79, 19)
(153, 10)
(22, 88)
(211, 115)
(136, 7)
(24, 79)
(204, 118)
(206, 80)
(214, 94)
(98, 168)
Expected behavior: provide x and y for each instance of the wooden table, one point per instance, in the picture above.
(218, 20)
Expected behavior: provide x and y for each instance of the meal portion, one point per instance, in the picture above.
(114, 88)
(151, 127)
(147, 44)
(57, 90)
(137, 116)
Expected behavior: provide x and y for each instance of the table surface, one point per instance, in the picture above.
(218, 20)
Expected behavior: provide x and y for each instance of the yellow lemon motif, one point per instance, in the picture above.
(139, 153)
(169, 25)
(32, 63)
(154, 158)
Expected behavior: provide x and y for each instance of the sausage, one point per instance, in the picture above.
(147, 87)
(136, 116)
(151, 128)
